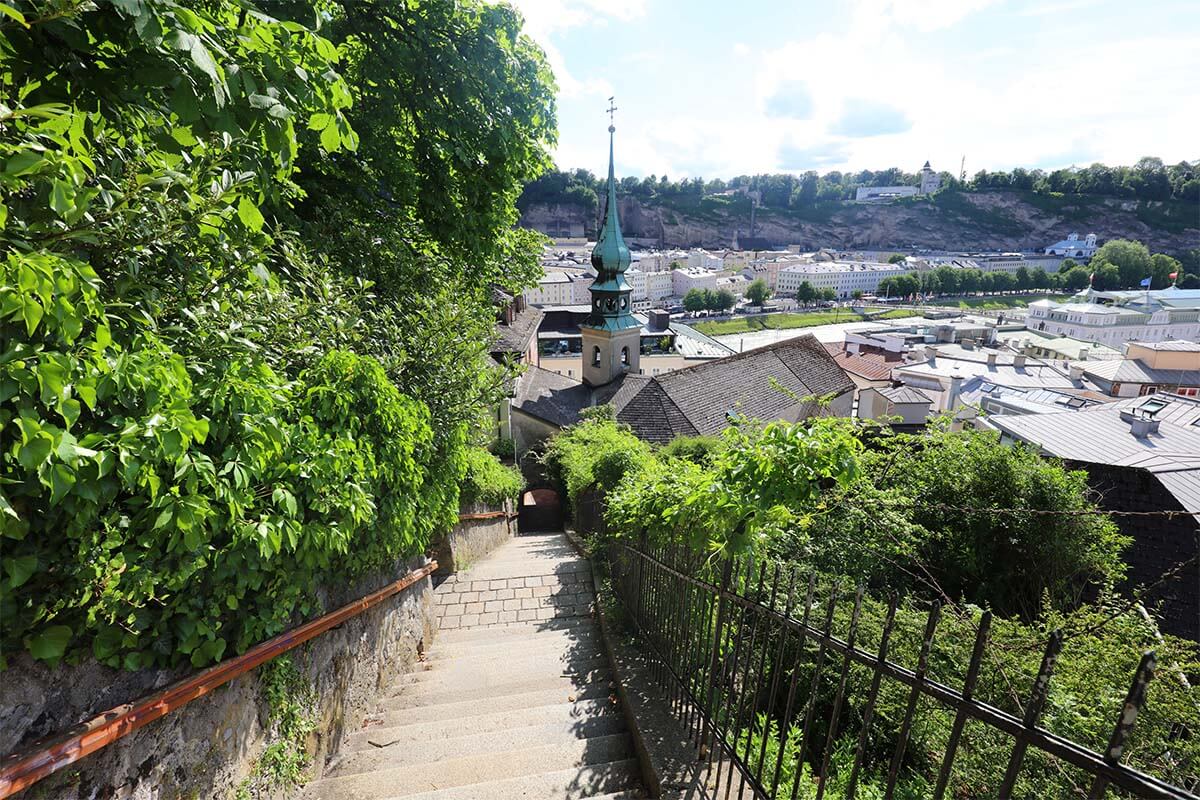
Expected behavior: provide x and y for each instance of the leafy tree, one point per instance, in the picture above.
(1130, 259)
(198, 427)
(1161, 267)
(1076, 278)
(693, 301)
(1006, 561)
(828, 295)
(805, 293)
(857, 294)
(896, 258)
(757, 292)
(723, 300)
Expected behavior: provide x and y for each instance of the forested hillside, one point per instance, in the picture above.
(1155, 203)
(245, 303)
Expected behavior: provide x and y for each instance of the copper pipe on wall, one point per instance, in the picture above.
(22, 769)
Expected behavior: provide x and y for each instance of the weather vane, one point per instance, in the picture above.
(611, 110)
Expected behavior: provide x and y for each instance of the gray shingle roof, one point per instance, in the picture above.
(697, 399)
(515, 338)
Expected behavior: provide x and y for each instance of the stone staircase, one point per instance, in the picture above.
(515, 698)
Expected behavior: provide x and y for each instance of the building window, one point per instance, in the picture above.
(595, 356)
(624, 356)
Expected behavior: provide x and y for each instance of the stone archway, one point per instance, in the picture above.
(540, 510)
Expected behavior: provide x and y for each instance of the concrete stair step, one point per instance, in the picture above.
(579, 712)
(510, 738)
(553, 650)
(565, 638)
(473, 768)
(517, 629)
(466, 674)
(431, 694)
(406, 714)
(575, 783)
(433, 682)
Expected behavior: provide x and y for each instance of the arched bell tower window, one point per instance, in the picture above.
(595, 356)
(624, 356)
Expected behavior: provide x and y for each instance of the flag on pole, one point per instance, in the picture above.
(1172, 276)
(1091, 278)
(1145, 282)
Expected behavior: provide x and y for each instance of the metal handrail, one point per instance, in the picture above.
(22, 769)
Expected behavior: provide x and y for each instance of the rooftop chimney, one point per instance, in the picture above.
(1019, 360)
(955, 390)
(991, 359)
(1076, 372)
(1083, 353)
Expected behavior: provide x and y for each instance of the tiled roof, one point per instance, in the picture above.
(872, 366)
(515, 338)
(697, 399)
(554, 398)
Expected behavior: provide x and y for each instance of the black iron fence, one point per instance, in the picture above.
(794, 688)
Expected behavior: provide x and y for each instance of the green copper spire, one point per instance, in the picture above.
(610, 252)
(611, 306)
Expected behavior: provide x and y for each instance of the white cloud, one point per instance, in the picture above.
(996, 86)
(545, 18)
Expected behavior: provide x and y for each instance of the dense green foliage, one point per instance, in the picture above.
(916, 516)
(1148, 180)
(757, 292)
(708, 300)
(596, 454)
(243, 331)
(489, 482)
(891, 513)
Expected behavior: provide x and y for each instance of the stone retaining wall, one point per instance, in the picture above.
(209, 747)
(471, 539)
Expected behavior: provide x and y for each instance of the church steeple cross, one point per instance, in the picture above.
(611, 110)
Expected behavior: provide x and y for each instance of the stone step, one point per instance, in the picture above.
(550, 648)
(518, 629)
(511, 738)
(591, 671)
(407, 715)
(488, 669)
(564, 711)
(420, 694)
(530, 638)
(473, 769)
(576, 783)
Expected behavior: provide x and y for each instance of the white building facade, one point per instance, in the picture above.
(843, 277)
(685, 280)
(1113, 318)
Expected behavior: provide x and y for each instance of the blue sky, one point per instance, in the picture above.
(725, 88)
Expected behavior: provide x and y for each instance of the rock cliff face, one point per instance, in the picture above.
(997, 220)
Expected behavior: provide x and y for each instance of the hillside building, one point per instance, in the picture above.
(1072, 247)
(1113, 318)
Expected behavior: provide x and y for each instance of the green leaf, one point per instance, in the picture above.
(62, 478)
(32, 313)
(50, 644)
(33, 452)
(11, 12)
(20, 569)
(23, 162)
(249, 214)
(319, 121)
(331, 140)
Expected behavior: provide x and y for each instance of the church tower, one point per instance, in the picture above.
(611, 335)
